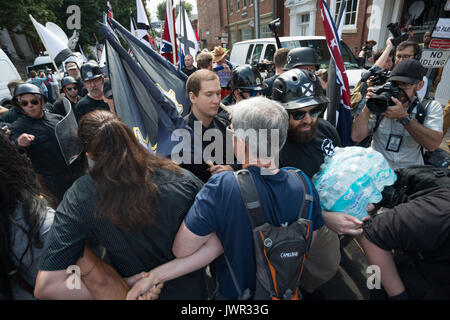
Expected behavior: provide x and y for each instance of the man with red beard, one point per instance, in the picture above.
(310, 139)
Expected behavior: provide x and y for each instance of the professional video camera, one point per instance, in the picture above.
(379, 77)
(399, 37)
(382, 99)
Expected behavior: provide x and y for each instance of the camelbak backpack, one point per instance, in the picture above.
(280, 251)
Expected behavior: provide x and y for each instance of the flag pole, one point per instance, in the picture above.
(45, 46)
(172, 34)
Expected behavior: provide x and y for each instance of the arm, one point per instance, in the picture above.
(56, 284)
(390, 279)
(186, 242)
(342, 223)
(426, 137)
(360, 128)
(178, 267)
(385, 55)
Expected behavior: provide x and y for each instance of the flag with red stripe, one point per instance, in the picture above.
(344, 118)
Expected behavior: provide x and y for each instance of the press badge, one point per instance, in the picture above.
(394, 142)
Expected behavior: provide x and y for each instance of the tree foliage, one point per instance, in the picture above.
(15, 17)
(161, 10)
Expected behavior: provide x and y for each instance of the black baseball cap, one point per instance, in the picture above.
(408, 71)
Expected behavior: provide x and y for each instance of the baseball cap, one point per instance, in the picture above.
(408, 71)
(71, 66)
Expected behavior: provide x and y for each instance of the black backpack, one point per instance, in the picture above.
(413, 182)
(280, 252)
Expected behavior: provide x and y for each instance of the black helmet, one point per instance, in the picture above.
(90, 70)
(26, 88)
(246, 77)
(67, 80)
(298, 88)
(303, 56)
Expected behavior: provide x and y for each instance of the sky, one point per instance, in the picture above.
(152, 4)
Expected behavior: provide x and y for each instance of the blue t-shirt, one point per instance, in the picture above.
(219, 207)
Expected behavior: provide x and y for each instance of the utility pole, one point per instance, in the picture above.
(256, 6)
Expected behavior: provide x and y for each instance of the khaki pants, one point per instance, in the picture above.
(323, 260)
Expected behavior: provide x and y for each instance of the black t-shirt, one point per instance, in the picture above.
(58, 107)
(200, 170)
(86, 105)
(130, 252)
(309, 156)
(189, 72)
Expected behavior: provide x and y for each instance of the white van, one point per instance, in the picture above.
(8, 73)
(255, 51)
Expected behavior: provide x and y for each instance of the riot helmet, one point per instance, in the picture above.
(246, 77)
(303, 56)
(298, 88)
(68, 80)
(26, 88)
(90, 70)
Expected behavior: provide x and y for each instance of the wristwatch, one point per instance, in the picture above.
(405, 120)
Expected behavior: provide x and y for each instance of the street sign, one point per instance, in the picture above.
(440, 44)
(434, 58)
(442, 29)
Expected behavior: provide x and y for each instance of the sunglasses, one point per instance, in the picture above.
(313, 113)
(25, 103)
(252, 93)
(72, 88)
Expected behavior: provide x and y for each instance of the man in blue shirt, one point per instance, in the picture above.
(219, 208)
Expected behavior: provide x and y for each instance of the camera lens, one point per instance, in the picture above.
(379, 103)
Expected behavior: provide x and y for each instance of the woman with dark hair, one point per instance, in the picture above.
(132, 202)
(24, 222)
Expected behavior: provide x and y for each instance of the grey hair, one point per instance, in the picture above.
(260, 115)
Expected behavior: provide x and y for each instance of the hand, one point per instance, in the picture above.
(25, 140)
(396, 111)
(389, 44)
(342, 223)
(133, 279)
(219, 168)
(6, 131)
(146, 288)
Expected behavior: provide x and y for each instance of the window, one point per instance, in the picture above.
(246, 34)
(303, 24)
(351, 13)
(249, 54)
(256, 53)
(244, 4)
(250, 2)
(238, 5)
(270, 51)
(231, 6)
(265, 31)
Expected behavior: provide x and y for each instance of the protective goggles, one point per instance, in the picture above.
(313, 113)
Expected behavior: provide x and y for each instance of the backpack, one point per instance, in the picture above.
(413, 182)
(280, 252)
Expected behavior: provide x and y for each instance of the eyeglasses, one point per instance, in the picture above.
(405, 56)
(72, 88)
(313, 113)
(25, 103)
(252, 93)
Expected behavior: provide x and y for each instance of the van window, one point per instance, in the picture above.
(257, 53)
(270, 51)
(249, 54)
(322, 51)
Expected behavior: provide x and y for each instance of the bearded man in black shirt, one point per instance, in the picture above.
(310, 140)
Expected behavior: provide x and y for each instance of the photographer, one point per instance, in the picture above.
(400, 124)
(367, 53)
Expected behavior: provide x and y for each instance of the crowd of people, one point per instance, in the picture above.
(139, 226)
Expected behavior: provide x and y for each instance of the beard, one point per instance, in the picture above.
(303, 136)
